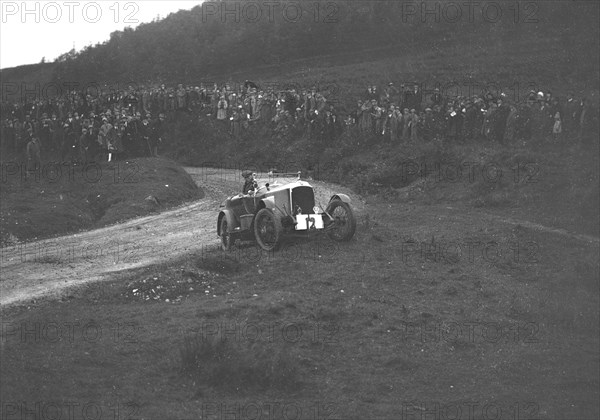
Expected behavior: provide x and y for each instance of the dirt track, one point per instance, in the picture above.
(47, 267)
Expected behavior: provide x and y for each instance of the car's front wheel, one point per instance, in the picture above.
(226, 241)
(343, 224)
(267, 230)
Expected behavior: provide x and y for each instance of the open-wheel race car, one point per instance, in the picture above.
(276, 209)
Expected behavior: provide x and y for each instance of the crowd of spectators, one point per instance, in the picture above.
(407, 114)
(130, 122)
(81, 128)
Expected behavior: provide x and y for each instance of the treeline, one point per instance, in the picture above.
(220, 37)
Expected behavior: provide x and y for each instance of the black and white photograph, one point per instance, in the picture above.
(300, 210)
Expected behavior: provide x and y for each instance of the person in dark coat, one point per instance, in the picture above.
(509, 133)
(500, 117)
(8, 137)
(133, 137)
(156, 133)
(452, 123)
(58, 135)
(34, 159)
(290, 103)
(86, 146)
(436, 98)
(570, 115)
(69, 146)
(332, 124)
(428, 125)
(45, 133)
(145, 131)
(249, 183)
(523, 122)
(236, 124)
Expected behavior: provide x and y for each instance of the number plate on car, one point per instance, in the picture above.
(309, 221)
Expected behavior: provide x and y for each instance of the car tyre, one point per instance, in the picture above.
(344, 223)
(267, 230)
(226, 239)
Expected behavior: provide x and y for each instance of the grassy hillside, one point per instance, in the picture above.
(383, 327)
(509, 63)
(62, 199)
(203, 43)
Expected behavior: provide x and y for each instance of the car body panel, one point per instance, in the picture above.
(232, 221)
(341, 197)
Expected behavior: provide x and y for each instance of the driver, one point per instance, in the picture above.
(250, 184)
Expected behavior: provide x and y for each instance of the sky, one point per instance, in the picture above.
(34, 29)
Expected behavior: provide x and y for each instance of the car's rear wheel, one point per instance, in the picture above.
(226, 240)
(343, 224)
(267, 230)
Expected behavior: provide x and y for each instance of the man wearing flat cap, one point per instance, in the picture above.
(249, 182)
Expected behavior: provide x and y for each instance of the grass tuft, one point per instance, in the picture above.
(226, 366)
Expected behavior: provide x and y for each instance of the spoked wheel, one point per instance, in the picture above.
(226, 240)
(267, 230)
(343, 223)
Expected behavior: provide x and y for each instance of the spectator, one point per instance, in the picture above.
(378, 118)
(105, 136)
(392, 93)
(171, 101)
(523, 122)
(511, 120)
(145, 132)
(44, 132)
(8, 137)
(355, 115)
(487, 127)
(146, 101)
(86, 146)
(452, 123)
(156, 133)
(413, 125)
(499, 120)
(34, 159)
(557, 128)
(332, 124)
(436, 97)
(236, 124)
(395, 118)
(70, 143)
(406, 124)
(366, 115)
(428, 125)
(222, 109)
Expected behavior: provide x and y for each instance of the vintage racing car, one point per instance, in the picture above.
(275, 209)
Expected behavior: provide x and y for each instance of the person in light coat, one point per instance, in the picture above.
(222, 109)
